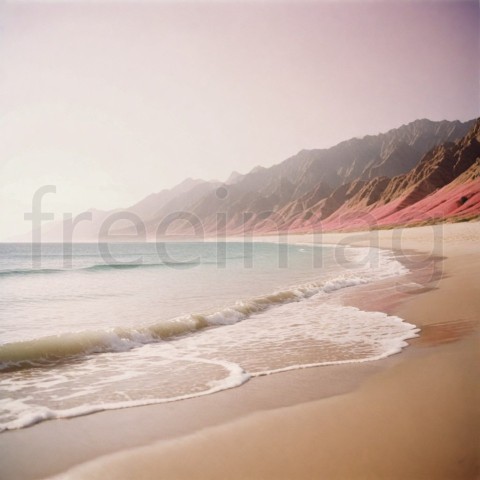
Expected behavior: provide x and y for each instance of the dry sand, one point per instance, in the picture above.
(411, 416)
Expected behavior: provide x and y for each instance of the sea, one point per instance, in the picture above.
(92, 327)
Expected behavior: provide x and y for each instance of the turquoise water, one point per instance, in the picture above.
(127, 284)
(111, 326)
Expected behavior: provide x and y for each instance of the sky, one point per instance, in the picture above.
(111, 101)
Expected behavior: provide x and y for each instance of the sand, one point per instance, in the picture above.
(414, 415)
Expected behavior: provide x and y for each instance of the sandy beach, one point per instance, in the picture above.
(414, 415)
(239, 240)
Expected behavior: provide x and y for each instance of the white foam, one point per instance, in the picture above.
(29, 414)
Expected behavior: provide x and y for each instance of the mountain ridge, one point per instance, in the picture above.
(313, 189)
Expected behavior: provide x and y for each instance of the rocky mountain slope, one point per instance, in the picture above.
(445, 184)
(362, 182)
(329, 188)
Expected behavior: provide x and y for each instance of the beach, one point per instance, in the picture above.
(412, 415)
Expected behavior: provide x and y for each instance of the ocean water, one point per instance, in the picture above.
(95, 327)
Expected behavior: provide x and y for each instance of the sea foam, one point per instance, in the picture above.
(303, 325)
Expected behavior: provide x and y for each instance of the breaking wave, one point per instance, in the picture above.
(50, 350)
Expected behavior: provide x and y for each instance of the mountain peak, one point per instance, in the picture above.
(234, 177)
(256, 169)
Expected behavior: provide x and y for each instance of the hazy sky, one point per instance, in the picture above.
(111, 101)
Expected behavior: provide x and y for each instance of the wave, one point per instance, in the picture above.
(32, 271)
(52, 349)
(47, 351)
(100, 268)
(129, 266)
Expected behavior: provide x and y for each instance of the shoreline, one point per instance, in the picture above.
(317, 390)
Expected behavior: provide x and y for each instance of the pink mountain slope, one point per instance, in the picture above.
(445, 184)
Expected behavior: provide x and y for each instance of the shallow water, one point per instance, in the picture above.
(118, 325)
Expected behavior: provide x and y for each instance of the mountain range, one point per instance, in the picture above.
(421, 172)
